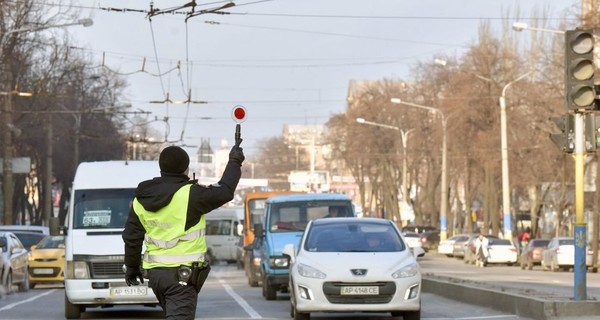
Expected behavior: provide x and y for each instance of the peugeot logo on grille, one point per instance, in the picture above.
(359, 272)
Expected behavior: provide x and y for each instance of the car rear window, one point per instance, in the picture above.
(566, 242)
(500, 242)
(541, 243)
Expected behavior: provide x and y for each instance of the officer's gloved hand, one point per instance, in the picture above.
(237, 153)
(132, 274)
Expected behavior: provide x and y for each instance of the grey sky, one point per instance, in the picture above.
(285, 61)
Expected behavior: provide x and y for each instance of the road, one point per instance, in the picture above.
(226, 295)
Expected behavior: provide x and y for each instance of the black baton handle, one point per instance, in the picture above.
(238, 135)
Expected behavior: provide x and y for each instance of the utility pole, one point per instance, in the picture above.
(7, 145)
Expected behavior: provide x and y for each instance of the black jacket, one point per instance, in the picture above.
(157, 193)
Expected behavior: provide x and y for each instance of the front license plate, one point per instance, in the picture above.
(359, 291)
(128, 291)
(43, 271)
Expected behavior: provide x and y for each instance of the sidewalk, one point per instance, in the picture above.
(508, 295)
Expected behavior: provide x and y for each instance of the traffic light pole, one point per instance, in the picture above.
(579, 268)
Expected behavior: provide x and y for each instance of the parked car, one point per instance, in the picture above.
(460, 246)
(413, 240)
(560, 254)
(429, 240)
(532, 253)
(354, 265)
(502, 251)
(47, 260)
(16, 262)
(470, 250)
(447, 246)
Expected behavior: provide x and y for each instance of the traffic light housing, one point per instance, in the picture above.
(580, 92)
(566, 139)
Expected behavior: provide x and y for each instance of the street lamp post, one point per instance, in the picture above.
(520, 26)
(444, 186)
(504, 146)
(404, 135)
(7, 171)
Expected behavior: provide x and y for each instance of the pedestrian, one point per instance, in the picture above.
(525, 238)
(167, 216)
(481, 250)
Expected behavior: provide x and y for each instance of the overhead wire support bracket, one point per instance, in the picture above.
(155, 11)
(215, 10)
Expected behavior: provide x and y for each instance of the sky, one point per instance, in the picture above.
(284, 61)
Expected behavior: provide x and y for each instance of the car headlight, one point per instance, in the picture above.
(408, 271)
(310, 272)
(77, 270)
(279, 262)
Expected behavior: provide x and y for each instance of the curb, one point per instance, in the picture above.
(519, 304)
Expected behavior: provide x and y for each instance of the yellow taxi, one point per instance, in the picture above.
(47, 260)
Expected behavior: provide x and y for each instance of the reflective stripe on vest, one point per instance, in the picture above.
(174, 259)
(171, 243)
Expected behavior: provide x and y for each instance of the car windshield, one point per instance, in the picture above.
(294, 216)
(29, 238)
(354, 237)
(52, 242)
(102, 208)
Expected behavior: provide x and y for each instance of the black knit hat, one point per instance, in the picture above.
(173, 159)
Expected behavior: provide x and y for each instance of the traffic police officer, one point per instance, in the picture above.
(168, 216)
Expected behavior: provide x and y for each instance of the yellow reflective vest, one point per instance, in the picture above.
(167, 242)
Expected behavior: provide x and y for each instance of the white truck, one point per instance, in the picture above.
(101, 198)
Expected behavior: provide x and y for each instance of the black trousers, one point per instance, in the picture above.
(179, 302)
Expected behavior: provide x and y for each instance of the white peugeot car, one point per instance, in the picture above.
(354, 265)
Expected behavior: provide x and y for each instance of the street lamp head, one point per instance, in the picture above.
(360, 120)
(519, 26)
(440, 62)
(395, 100)
(85, 22)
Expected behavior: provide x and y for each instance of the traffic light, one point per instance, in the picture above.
(580, 92)
(566, 139)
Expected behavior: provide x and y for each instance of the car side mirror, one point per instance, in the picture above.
(418, 252)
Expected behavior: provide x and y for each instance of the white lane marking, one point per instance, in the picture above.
(12, 305)
(251, 312)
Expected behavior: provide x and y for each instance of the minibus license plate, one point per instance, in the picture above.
(128, 291)
(359, 291)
